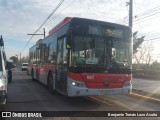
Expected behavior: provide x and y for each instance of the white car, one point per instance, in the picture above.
(5, 73)
(25, 66)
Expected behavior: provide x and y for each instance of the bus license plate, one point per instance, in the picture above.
(107, 92)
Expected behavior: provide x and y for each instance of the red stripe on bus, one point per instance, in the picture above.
(75, 76)
(100, 80)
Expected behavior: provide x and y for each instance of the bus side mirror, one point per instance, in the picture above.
(69, 39)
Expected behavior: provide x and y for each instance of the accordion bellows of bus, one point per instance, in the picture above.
(84, 57)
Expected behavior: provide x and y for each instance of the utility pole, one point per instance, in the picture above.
(20, 59)
(130, 21)
(44, 32)
(130, 14)
(17, 58)
(40, 34)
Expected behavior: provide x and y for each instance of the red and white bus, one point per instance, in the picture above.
(84, 57)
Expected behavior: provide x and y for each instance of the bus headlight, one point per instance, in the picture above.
(2, 83)
(73, 83)
(78, 84)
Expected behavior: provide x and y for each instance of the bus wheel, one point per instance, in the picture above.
(9, 76)
(50, 82)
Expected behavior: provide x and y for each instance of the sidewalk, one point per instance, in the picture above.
(146, 87)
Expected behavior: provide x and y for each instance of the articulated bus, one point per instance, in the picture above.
(84, 57)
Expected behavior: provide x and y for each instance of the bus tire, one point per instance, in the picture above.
(50, 82)
(9, 76)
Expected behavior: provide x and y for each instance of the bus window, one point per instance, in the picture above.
(65, 52)
(59, 52)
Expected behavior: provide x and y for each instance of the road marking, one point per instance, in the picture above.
(108, 101)
(145, 98)
(99, 100)
(111, 101)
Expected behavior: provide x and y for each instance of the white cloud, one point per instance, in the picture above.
(20, 17)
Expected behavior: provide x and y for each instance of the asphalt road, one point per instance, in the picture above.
(27, 95)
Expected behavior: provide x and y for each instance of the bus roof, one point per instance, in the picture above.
(63, 22)
(68, 19)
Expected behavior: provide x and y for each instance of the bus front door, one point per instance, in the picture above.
(61, 73)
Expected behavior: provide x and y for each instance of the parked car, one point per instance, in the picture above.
(5, 73)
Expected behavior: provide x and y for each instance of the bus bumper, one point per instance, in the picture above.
(74, 90)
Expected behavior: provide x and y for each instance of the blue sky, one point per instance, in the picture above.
(21, 17)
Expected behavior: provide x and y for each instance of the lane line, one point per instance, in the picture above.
(145, 98)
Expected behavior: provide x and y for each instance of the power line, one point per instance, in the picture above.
(62, 11)
(146, 19)
(149, 11)
(147, 16)
(144, 15)
(153, 39)
(152, 34)
(138, 20)
(54, 10)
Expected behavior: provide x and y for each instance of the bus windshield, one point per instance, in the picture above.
(100, 47)
(101, 52)
(88, 51)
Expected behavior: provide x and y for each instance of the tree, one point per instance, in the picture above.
(14, 58)
(147, 57)
(143, 56)
(137, 42)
